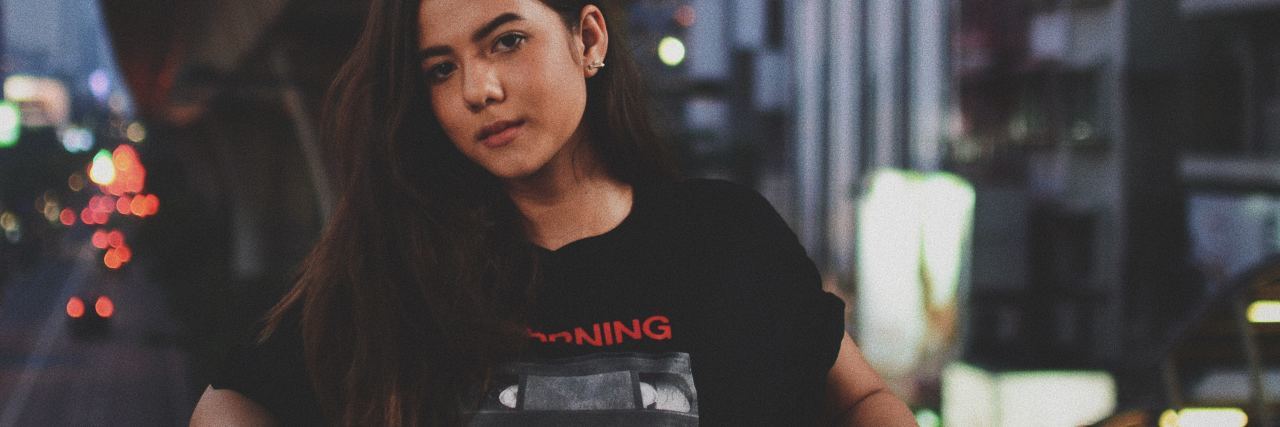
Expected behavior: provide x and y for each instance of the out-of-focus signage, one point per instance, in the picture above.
(43, 101)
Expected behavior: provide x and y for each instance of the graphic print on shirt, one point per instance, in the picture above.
(618, 389)
(652, 328)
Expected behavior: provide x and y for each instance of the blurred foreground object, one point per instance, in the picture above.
(914, 233)
(972, 396)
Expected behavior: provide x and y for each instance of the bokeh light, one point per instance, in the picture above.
(75, 182)
(1264, 311)
(75, 307)
(104, 307)
(136, 132)
(67, 217)
(685, 16)
(10, 124)
(111, 260)
(671, 51)
(99, 239)
(102, 171)
(77, 140)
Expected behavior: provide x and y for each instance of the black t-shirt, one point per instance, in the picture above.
(701, 307)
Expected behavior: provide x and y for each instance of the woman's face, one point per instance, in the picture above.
(507, 80)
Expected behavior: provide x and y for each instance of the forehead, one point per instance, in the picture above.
(450, 21)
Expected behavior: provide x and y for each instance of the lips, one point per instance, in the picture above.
(499, 133)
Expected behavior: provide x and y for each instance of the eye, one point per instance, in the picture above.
(509, 42)
(440, 71)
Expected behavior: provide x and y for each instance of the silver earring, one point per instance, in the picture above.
(595, 65)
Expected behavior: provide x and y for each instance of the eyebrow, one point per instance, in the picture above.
(476, 37)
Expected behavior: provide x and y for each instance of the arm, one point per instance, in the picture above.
(228, 408)
(857, 396)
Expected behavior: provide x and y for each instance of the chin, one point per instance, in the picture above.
(517, 167)
(513, 172)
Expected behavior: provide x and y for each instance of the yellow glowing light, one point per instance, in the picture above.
(102, 172)
(1216, 417)
(52, 211)
(671, 51)
(8, 221)
(20, 88)
(1169, 418)
(1264, 311)
(136, 132)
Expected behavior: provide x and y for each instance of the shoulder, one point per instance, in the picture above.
(721, 202)
(270, 372)
(228, 407)
(716, 193)
(726, 215)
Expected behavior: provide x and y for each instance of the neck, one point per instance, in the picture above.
(570, 202)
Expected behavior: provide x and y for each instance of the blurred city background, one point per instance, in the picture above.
(1040, 212)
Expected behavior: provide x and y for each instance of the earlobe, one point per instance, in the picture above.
(594, 33)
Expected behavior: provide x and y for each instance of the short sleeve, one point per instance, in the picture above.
(769, 305)
(272, 373)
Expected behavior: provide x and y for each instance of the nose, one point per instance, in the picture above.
(481, 86)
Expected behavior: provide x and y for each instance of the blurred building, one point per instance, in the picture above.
(1124, 155)
(1101, 138)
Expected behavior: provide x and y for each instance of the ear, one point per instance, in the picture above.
(593, 34)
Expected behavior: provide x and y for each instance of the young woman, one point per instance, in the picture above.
(512, 248)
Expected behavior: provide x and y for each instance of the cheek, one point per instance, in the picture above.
(451, 120)
(558, 94)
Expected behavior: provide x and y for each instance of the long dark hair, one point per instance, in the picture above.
(421, 280)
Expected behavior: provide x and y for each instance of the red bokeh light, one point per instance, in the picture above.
(115, 238)
(100, 239)
(75, 307)
(153, 204)
(68, 217)
(122, 205)
(124, 253)
(104, 307)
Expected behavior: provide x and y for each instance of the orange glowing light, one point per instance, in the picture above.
(124, 158)
(138, 206)
(101, 217)
(100, 239)
(111, 260)
(124, 253)
(115, 238)
(86, 215)
(153, 204)
(75, 307)
(104, 307)
(130, 175)
(122, 205)
(68, 217)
